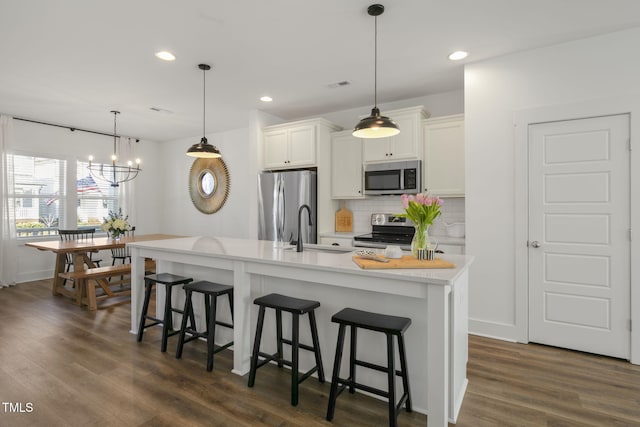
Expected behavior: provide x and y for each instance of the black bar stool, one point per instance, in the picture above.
(169, 281)
(211, 292)
(296, 307)
(390, 326)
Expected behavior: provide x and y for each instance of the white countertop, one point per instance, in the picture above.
(267, 252)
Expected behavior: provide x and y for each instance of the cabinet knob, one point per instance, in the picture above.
(391, 154)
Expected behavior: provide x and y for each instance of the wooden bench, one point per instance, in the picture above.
(100, 275)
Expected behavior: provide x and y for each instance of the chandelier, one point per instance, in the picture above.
(114, 173)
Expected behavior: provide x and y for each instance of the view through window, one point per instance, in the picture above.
(42, 204)
(95, 198)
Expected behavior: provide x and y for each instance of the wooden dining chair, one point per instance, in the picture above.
(123, 254)
(77, 234)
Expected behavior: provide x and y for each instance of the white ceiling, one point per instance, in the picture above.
(72, 61)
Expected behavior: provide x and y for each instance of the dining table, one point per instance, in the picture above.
(81, 250)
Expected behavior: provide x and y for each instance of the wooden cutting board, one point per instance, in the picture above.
(344, 219)
(407, 261)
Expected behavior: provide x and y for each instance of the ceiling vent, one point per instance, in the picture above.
(160, 110)
(339, 84)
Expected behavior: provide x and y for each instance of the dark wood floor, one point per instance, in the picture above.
(82, 368)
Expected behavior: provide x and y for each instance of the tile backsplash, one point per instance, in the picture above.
(452, 211)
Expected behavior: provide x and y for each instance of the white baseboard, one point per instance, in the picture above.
(31, 276)
(500, 331)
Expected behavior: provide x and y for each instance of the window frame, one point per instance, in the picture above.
(68, 196)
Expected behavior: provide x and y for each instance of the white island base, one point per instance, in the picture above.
(434, 299)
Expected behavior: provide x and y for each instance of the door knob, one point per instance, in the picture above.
(535, 244)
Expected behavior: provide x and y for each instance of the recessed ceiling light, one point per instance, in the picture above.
(266, 99)
(166, 56)
(458, 55)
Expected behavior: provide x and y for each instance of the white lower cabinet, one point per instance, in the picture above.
(346, 166)
(443, 165)
(336, 241)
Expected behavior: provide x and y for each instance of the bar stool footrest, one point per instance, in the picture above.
(375, 367)
(266, 358)
(307, 374)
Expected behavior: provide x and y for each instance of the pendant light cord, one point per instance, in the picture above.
(375, 63)
(115, 115)
(204, 101)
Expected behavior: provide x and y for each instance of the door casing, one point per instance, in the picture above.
(587, 109)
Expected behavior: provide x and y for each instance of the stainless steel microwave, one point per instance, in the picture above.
(393, 178)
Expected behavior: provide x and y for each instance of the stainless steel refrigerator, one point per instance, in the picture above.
(280, 195)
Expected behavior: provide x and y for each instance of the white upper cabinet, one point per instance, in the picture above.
(407, 145)
(443, 164)
(289, 146)
(346, 166)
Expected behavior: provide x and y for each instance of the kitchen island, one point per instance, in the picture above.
(435, 300)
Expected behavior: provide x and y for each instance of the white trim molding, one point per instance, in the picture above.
(594, 108)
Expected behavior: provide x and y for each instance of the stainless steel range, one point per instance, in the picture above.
(387, 229)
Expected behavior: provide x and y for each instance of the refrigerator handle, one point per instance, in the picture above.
(281, 210)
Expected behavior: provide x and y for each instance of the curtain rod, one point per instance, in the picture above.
(73, 129)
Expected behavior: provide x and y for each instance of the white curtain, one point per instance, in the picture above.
(126, 196)
(8, 248)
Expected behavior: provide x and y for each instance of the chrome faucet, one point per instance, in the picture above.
(299, 242)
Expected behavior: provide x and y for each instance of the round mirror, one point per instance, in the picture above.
(208, 184)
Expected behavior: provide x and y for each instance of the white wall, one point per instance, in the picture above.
(179, 215)
(584, 70)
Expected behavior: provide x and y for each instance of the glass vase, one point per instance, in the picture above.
(420, 239)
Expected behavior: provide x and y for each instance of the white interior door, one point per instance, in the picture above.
(579, 235)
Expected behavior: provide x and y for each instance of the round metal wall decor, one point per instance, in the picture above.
(209, 184)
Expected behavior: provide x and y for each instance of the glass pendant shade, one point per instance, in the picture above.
(203, 150)
(376, 126)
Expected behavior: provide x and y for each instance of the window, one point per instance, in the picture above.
(95, 198)
(39, 194)
(43, 204)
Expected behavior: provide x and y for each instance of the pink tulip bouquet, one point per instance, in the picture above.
(422, 210)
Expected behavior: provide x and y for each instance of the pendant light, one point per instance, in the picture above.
(375, 126)
(203, 149)
(114, 173)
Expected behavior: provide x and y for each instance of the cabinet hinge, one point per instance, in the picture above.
(629, 234)
(630, 325)
(629, 143)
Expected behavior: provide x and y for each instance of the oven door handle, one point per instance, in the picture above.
(359, 244)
